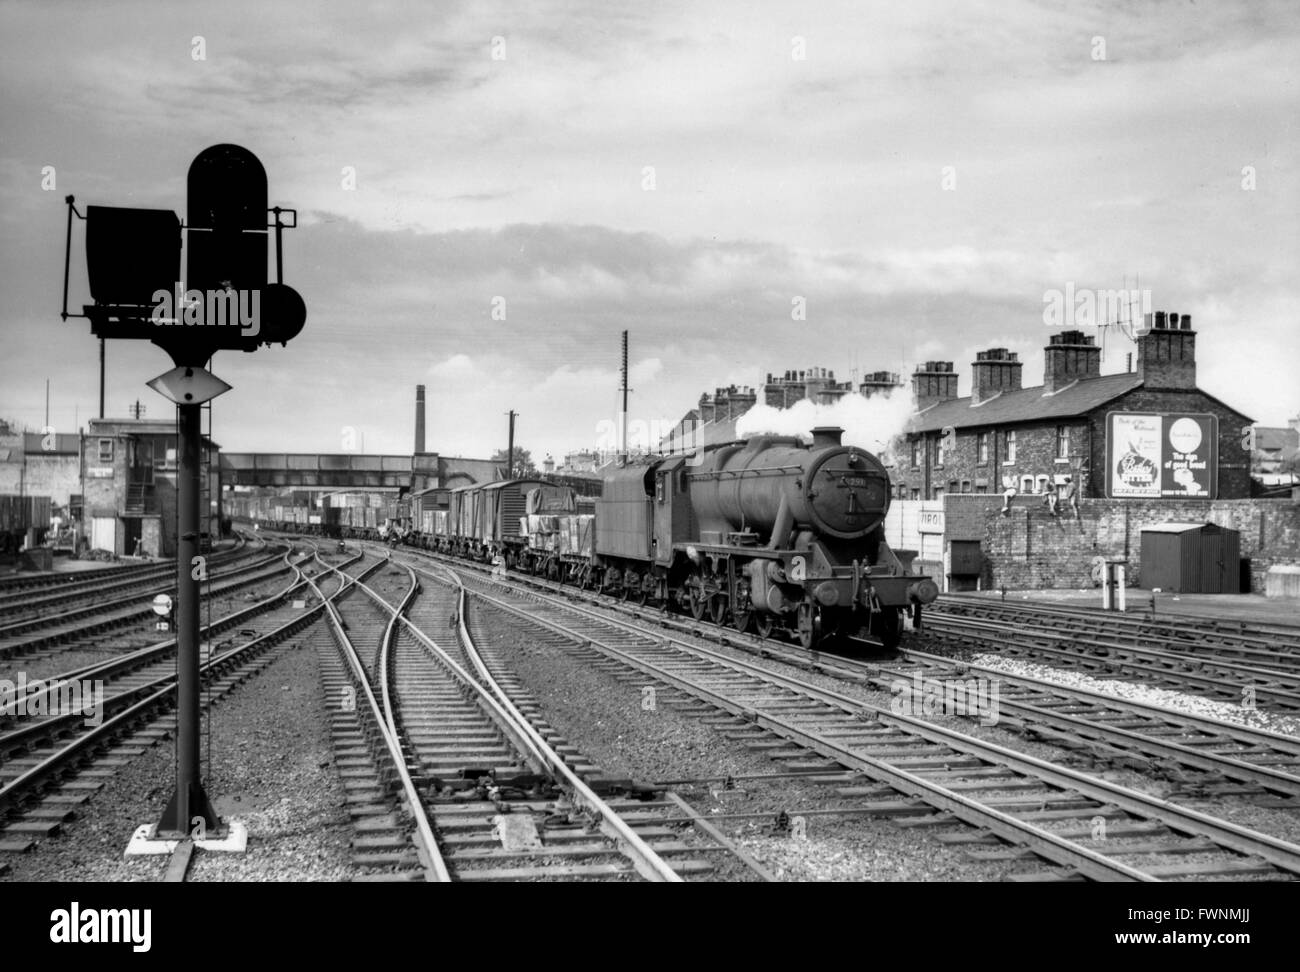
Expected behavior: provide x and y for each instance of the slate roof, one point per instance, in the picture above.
(1025, 404)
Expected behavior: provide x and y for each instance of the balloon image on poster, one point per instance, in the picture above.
(1152, 456)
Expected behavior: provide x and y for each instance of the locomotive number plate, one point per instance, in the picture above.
(859, 481)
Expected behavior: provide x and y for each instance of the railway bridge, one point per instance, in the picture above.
(319, 470)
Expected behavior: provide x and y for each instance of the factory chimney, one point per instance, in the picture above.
(419, 420)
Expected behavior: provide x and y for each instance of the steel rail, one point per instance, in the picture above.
(1282, 854)
(435, 867)
(1246, 735)
(644, 859)
(647, 862)
(1226, 680)
(156, 578)
(1192, 629)
(13, 791)
(1091, 731)
(140, 656)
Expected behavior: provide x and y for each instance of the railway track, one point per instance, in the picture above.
(1202, 756)
(50, 763)
(1228, 678)
(30, 610)
(1182, 630)
(15, 586)
(1088, 827)
(88, 624)
(483, 794)
(68, 589)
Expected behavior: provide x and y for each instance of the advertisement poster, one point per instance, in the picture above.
(1150, 456)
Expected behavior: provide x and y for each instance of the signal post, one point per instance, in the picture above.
(226, 303)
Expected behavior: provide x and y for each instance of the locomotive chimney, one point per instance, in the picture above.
(826, 435)
(419, 420)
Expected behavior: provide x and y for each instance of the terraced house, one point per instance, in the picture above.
(1145, 433)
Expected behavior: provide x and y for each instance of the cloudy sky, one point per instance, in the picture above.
(919, 174)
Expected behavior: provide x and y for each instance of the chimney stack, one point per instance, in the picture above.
(993, 372)
(1069, 357)
(878, 383)
(419, 420)
(934, 383)
(1167, 352)
(706, 408)
(740, 401)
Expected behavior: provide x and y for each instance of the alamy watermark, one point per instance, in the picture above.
(1082, 307)
(213, 308)
(975, 698)
(653, 436)
(55, 698)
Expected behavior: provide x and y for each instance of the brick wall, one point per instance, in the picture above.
(1035, 456)
(1234, 461)
(1030, 549)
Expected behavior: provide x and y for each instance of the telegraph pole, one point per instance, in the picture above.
(510, 446)
(622, 415)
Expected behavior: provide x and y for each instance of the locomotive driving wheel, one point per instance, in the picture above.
(698, 599)
(718, 609)
(808, 623)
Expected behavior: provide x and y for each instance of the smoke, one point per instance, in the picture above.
(868, 423)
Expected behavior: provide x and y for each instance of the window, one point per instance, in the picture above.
(1026, 484)
(1040, 485)
(982, 488)
(916, 493)
(916, 453)
(1062, 442)
(938, 492)
(983, 446)
(105, 450)
(1011, 445)
(965, 485)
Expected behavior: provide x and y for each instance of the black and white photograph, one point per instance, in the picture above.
(575, 442)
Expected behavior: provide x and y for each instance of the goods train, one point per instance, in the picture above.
(766, 533)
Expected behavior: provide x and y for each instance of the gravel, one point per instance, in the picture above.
(604, 718)
(1137, 692)
(272, 768)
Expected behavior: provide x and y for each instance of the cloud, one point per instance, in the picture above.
(456, 367)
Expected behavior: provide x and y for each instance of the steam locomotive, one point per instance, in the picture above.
(766, 533)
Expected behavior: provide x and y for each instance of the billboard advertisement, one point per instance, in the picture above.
(1162, 456)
